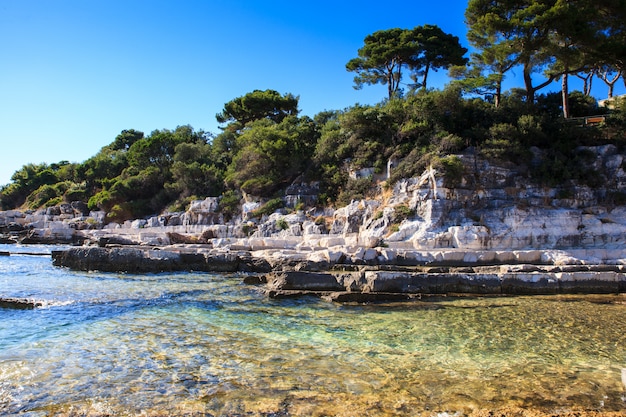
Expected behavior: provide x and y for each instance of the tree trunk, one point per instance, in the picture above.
(528, 84)
(392, 82)
(389, 83)
(587, 81)
(610, 82)
(498, 95)
(588, 88)
(425, 75)
(565, 95)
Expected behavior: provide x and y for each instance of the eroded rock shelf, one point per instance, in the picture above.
(491, 231)
(405, 275)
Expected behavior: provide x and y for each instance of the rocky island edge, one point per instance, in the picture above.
(489, 233)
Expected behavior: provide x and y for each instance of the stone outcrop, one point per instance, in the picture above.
(490, 216)
(376, 284)
(489, 208)
(141, 260)
(367, 275)
(493, 207)
(53, 225)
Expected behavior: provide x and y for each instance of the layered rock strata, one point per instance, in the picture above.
(376, 285)
(488, 207)
(142, 260)
(343, 276)
(488, 216)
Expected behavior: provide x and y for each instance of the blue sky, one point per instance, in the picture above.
(75, 73)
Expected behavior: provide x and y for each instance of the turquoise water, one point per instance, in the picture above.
(205, 344)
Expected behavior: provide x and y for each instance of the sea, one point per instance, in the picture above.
(203, 344)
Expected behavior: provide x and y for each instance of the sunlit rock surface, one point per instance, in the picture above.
(535, 239)
(489, 208)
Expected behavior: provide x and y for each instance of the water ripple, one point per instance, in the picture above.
(204, 344)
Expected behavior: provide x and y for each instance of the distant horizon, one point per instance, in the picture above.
(75, 74)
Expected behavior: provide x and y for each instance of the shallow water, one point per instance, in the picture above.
(206, 344)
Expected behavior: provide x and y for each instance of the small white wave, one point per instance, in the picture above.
(57, 303)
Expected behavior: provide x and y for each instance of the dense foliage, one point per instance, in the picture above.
(547, 39)
(138, 175)
(387, 53)
(265, 145)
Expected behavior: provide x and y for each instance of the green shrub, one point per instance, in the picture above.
(355, 189)
(229, 204)
(181, 204)
(617, 198)
(401, 213)
(41, 196)
(54, 202)
(453, 170)
(268, 208)
(100, 201)
(559, 167)
(299, 206)
(412, 165)
(503, 143)
(248, 229)
(564, 193)
(445, 143)
(76, 192)
(258, 186)
(282, 224)
(118, 213)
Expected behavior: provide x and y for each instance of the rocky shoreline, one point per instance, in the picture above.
(491, 232)
(377, 275)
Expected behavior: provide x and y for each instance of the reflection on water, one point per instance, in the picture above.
(203, 344)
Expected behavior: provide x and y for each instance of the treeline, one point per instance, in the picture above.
(543, 40)
(266, 145)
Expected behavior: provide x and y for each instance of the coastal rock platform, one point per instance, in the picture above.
(340, 274)
(490, 231)
(385, 285)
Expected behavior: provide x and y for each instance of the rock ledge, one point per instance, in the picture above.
(343, 276)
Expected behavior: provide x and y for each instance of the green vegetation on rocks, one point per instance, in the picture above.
(265, 145)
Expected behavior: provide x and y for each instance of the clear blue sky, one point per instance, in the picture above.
(75, 73)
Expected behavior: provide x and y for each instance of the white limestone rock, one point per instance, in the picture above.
(470, 237)
(138, 224)
(208, 205)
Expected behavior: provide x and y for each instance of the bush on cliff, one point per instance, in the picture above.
(138, 175)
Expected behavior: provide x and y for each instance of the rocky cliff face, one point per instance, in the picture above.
(489, 208)
(496, 208)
